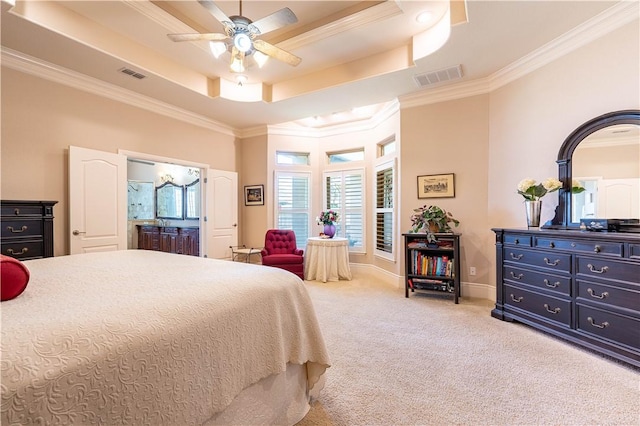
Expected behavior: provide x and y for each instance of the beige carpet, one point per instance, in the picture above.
(427, 361)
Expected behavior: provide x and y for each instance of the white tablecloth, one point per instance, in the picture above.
(327, 259)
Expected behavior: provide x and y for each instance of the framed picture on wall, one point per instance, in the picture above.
(254, 195)
(436, 186)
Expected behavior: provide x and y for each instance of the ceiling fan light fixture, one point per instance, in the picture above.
(237, 64)
(217, 48)
(242, 42)
(260, 58)
(241, 79)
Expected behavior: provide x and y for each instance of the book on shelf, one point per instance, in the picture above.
(432, 265)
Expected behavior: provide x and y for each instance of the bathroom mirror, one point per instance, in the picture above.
(603, 155)
(169, 201)
(192, 200)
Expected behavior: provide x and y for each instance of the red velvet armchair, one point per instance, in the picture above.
(280, 251)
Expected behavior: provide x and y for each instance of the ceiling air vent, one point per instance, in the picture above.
(434, 77)
(132, 73)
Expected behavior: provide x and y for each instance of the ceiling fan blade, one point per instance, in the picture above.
(279, 19)
(217, 13)
(196, 37)
(276, 52)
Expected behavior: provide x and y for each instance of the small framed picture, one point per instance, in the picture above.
(254, 195)
(436, 186)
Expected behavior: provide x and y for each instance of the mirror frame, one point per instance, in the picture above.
(562, 219)
(181, 192)
(186, 199)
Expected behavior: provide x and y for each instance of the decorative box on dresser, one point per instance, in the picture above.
(581, 286)
(27, 229)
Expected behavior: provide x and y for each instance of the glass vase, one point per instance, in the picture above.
(330, 230)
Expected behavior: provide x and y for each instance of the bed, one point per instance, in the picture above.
(145, 337)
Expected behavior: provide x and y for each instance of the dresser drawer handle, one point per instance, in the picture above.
(516, 277)
(597, 271)
(516, 299)
(592, 322)
(23, 251)
(17, 231)
(597, 249)
(596, 296)
(552, 244)
(552, 311)
(550, 263)
(16, 212)
(516, 257)
(517, 241)
(550, 284)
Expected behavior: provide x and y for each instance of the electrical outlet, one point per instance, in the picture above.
(472, 270)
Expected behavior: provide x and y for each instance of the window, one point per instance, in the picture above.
(343, 192)
(345, 156)
(292, 204)
(387, 147)
(298, 158)
(384, 210)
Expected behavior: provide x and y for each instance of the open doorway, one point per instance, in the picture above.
(160, 193)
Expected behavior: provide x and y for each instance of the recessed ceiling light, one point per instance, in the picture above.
(424, 17)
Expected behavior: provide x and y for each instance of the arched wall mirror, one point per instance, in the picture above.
(603, 156)
(169, 201)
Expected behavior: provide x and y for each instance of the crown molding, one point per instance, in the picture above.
(609, 20)
(600, 25)
(34, 66)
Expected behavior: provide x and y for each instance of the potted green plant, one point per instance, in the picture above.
(432, 219)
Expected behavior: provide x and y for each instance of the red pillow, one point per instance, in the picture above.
(14, 277)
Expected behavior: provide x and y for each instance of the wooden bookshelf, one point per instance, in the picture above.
(432, 267)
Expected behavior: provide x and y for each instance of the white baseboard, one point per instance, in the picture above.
(472, 290)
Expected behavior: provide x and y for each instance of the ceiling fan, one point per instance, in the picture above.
(241, 36)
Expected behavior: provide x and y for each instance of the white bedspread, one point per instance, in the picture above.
(144, 337)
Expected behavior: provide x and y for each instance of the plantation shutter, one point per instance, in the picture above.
(292, 204)
(384, 210)
(344, 194)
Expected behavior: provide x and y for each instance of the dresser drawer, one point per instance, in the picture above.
(634, 251)
(556, 261)
(517, 240)
(609, 296)
(22, 210)
(23, 249)
(555, 283)
(580, 246)
(608, 325)
(548, 307)
(21, 228)
(608, 269)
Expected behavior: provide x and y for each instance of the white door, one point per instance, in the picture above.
(619, 198)
(221, 226)
(97, 200)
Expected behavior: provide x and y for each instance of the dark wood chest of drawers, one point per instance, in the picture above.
(171, 239)
(580, 286)
(27, 229)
